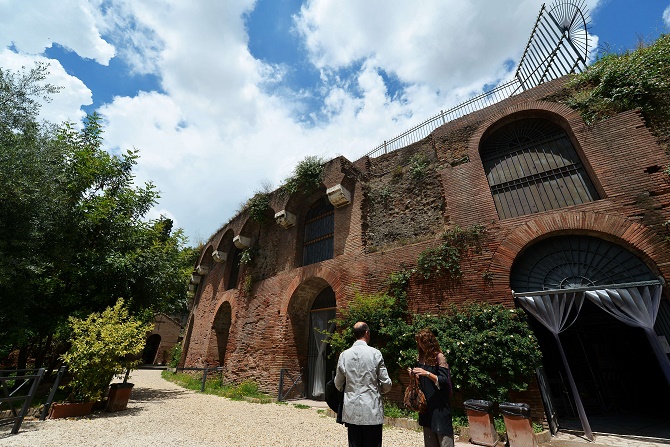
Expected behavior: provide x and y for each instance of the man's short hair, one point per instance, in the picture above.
(360, 329)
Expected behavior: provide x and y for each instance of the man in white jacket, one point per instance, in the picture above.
(362, 373)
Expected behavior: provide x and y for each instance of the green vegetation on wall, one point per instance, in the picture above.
(445, 259)
(619, 82)
(306, 177)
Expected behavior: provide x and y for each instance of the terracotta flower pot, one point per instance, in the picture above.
(119, 394)
(70, 409)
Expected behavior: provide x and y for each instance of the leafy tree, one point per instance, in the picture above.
(73, 232)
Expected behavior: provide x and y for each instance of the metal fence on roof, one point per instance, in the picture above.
(558, 45)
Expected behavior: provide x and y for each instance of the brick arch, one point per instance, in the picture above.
(206, 256)
(306, 282)
(299, 296)
(637, 238)
(560, 114)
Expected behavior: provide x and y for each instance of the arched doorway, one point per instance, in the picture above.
(320, 364)
(221, 329)
(595, 364)
(150, 349)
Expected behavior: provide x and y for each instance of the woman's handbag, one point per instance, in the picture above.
(414, 399)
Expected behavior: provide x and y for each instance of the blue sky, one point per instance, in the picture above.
(223, 96)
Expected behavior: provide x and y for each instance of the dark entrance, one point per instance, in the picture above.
(150, 349)
(320, 363)
(618, 377)
(221, 331)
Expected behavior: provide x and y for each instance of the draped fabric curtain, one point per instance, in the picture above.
(638, 307)
(557, 312)
(319, 325)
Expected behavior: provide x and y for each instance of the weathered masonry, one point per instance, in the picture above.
(566, 206)
(575, 218)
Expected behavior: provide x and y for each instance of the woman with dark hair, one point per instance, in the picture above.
(435, 382)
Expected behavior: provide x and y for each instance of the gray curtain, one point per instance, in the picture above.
(638, 307)
(557, 312)
(319, 325)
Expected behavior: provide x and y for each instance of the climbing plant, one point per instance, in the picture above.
(445, 259)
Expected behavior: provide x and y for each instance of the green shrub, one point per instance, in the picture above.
(306, 178)
(619, 82)
(258, 207)
(176, 355)
(101, 346)
(418, 166)
(491, 350)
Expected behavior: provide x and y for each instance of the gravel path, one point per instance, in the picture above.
(163, 414)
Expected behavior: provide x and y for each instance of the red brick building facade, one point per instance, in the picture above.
(255, 319)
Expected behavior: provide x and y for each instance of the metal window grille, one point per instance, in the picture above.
(531, 166)
(319, 231)
(568, 262)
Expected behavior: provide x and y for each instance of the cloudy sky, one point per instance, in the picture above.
(223, 96)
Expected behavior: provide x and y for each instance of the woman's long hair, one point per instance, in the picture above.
(426, 338)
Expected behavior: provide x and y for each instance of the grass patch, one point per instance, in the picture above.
(214, 385)
(302, 406)
(391, 410)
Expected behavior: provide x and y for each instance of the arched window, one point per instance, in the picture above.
(532, 166)
(235, 256)
(319, 230)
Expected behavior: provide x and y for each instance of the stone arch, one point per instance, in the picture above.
(221, 332)
(206, 263)
(640, 240)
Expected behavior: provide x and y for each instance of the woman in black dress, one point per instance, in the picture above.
(435, 382)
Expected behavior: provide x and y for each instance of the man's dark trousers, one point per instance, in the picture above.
(364, 435)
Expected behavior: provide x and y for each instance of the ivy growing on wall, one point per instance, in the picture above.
(445, 259)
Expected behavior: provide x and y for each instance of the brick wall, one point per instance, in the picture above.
(268, 329)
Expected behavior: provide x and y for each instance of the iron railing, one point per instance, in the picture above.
(423, 129)
(283, 375)
(21, 391)
(52, 393)
(558, 45)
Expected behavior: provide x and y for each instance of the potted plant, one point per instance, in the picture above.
(103, 345)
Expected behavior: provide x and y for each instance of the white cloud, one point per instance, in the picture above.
(32, 26)
(66, 104)
(214, 133)
(443, 43)
(666, 16)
